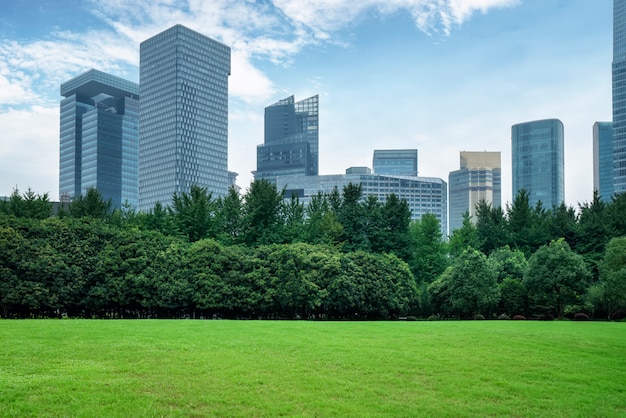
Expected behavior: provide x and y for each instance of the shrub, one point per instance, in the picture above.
(411, 318)
(581, 317)
(519, 317)
(479, 317)
(504, 316)
(433, 318)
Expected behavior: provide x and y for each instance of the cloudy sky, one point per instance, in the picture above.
(441, 76)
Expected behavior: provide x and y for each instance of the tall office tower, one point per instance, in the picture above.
(619, 96)
(537, 157)
(291, 140)
(603, 159)
(183, 126)
(479, 178)
(98, 137)
(400, 162)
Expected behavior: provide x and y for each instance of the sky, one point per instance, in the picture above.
(442, 76)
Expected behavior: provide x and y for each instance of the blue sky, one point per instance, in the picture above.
(442, 76)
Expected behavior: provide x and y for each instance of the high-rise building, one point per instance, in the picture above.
(603, 159)
(537, 157)
(479, 178)
(291, 140)
(400, 162)
(99, 137)
(183, 126)
(619, 96)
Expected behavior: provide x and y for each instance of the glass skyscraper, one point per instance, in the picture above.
(479, 178)
(603, 159)
(537, 159)
(99, 137)
(291, 140)
(183, 125)
(400, 162)
(619, 96)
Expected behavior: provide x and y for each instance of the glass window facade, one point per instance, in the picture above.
(184, 115)
(423, 194)
(291, 143)
(619, 96)
(99, 137)
(538, 161)
(603, 159)
(402, 162)
(479, 178)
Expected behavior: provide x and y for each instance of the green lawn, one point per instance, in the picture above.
(326, 369)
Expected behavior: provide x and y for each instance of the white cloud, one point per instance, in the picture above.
(30, 150)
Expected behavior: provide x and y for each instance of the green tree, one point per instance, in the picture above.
(429, 254)
(293, 218)
(321, 225)
(464, 237)
(614, 275)
(194, 213)
(556, 277)
(471, 285)
(395, 228)
(491, 227)
(593, 233)
(92, 205)
(27, 205)
(261, 214)
(231, 217)
(564, 224)
(353, 219)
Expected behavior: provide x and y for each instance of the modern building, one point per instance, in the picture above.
(479, 178)
(423, 194)
(183, 126)
(603, 159)
(619, 96)
(400, 162)
(291, 142)
(538, 161)
(99, 137)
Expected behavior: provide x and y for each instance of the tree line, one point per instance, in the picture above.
(343, 256)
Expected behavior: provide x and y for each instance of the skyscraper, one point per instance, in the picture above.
(183, 125)
(290, 146)
(619, 96)
(603, 159)
(98, 137)
(479, 178)
(537, 157)
(396, 162)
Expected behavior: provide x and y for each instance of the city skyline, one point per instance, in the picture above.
(389, 75)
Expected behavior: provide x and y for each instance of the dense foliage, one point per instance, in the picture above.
(343, 256)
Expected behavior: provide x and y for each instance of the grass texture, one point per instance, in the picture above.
(124, 368)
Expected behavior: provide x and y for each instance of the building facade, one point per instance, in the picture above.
(401, 162)
(291, 140)
(183, 125)
(99, 138)
(603, 159)
(538, 161)
(423, 194)
(479, 178)
(619, 96)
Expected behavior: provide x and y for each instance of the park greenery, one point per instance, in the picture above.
(343, 256)
(171, 368)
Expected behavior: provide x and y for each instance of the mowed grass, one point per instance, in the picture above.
(149, 368)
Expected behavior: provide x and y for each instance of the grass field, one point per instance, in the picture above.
(290, 368)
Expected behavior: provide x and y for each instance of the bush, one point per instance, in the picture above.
(581, 317)
(479, 317)
(411, 318)
(521, 317)
(433, 318)
(504, 316)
